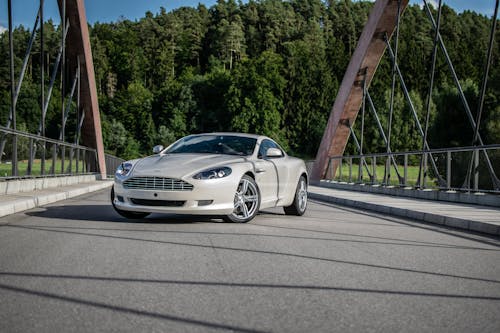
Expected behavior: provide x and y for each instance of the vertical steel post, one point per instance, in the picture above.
(83, 160)
(12, 91)
(54, 159)
(70, 166)
(29, 169)
(374, 169)
(426, 156)
(387, 176)
(77, 160)
(42, 89)
(63, 80)
(331, 173)
(431, 86)
(448, 170)
(360, 170)
(350, 169)
(340, 167)
(405, 177)
(476, 169)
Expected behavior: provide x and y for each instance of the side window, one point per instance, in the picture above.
(264, 146)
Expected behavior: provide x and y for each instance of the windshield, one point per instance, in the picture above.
(214, 144)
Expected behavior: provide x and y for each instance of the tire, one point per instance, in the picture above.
(299, 205)
(246, 201)
(125, 213)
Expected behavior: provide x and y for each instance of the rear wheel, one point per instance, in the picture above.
(125, 213)
(299, 205)
(246, 201)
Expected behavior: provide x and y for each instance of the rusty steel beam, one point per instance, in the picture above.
(78, 50)
(363, 64)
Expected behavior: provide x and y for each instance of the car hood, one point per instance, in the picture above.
(180, 165)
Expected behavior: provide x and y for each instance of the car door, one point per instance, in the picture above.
(269, 174)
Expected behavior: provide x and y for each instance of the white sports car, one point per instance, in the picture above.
(231, 175)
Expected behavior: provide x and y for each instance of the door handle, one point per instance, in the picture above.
(259, 170)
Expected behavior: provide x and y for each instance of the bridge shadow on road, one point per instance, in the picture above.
(106, 213)
(297, 256)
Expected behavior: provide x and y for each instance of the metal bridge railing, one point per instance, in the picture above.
(449, 169)
(71, 76)
(34, 155)
(112, 162)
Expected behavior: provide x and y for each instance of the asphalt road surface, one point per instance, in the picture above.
(76, 266)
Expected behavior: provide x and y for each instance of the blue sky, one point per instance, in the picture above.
(24, 11)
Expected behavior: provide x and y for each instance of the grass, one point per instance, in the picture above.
(411, 178)
(22, 166)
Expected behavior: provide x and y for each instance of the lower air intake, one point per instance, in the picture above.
(163, 203)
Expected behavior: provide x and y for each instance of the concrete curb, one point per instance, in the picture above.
(439, 219)
(15, 186)
(11, 204)
(434, 195)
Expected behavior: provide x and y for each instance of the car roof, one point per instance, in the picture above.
(247, 135)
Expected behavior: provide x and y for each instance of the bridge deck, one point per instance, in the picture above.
(78, 266)
(484, 219)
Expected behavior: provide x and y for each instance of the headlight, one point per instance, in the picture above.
(123, 169)
(214, 173)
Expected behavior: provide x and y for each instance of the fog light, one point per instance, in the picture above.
(120, 198)
(204, 202)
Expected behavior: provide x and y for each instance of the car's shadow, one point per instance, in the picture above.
(106, 213)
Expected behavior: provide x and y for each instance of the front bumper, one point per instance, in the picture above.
(208, 197)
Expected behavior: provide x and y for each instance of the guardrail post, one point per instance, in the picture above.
(350, 169)
(42, 158)
(70, 166)
(340, 169)
(405, 171)
(29, 169)
(374, 169)
(425, 170)
(448, 170)
(77, 160)
(63, 156)
(84, 159)
(476, 169)
(360, 170)
(54, 159)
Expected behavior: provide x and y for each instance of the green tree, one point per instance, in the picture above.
(255, 98)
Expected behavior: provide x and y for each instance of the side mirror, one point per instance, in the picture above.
(273, 153)
(157, 149)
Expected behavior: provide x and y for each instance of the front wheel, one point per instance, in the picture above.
(125, 213)
(299, 205)
(246, 201)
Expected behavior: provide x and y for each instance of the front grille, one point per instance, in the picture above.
(157, 183)
(164, 203)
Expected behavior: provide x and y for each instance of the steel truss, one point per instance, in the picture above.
(331, 142)
(74, 58)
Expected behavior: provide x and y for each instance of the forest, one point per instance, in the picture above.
(264, 66)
